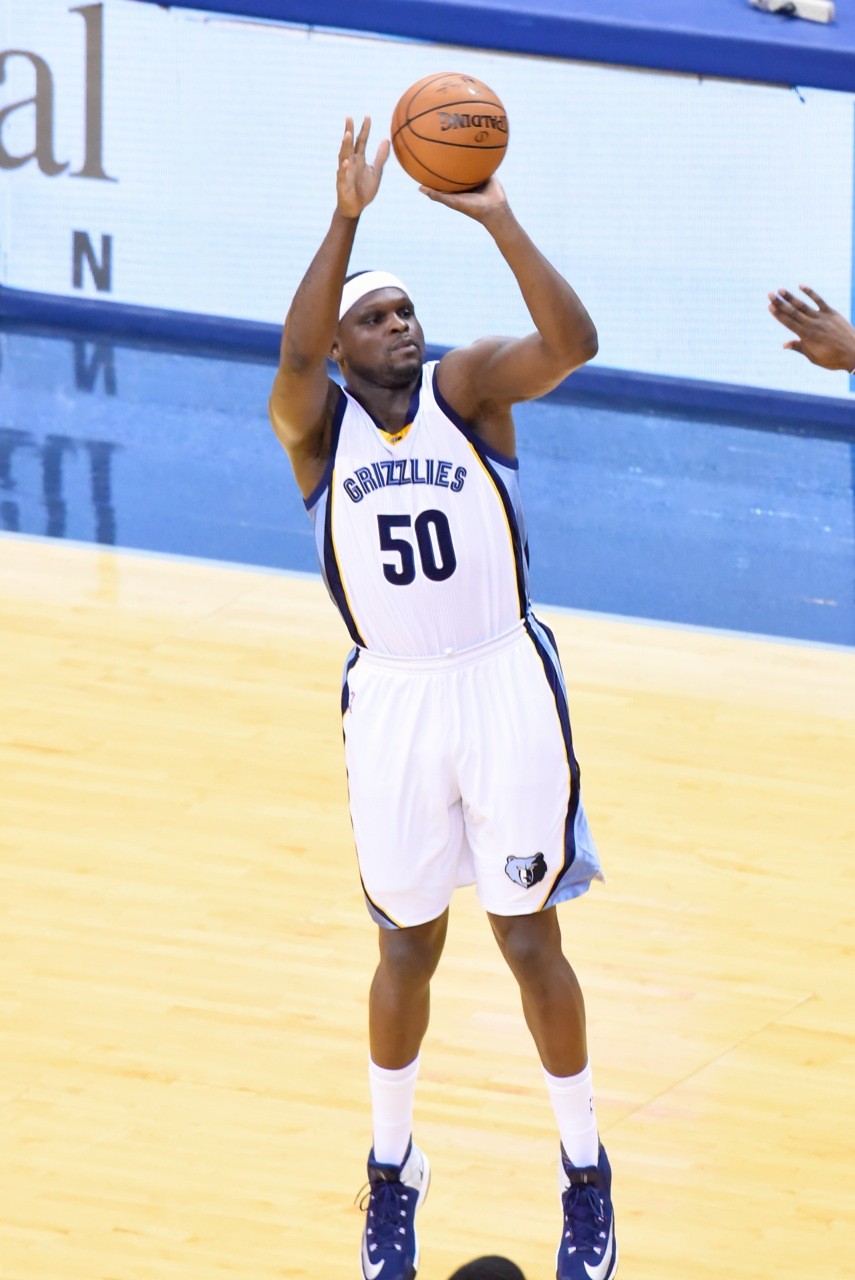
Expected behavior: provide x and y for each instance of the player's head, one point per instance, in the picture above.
(378, 336)
(492, 1268)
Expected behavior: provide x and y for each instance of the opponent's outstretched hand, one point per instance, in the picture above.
(823, 336)
(479, 204)
(357, 181)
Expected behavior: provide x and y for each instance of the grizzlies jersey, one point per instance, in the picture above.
(420, 535)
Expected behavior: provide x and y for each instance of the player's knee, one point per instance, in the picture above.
(413, 954)
(529, 947)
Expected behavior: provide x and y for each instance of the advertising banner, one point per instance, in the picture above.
(177, 160)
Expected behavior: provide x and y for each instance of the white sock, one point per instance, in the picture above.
(392, 1097)
(573, 1103)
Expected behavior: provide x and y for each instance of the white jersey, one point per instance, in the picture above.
(420, 535)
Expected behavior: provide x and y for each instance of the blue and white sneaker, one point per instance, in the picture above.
(588, 1249)
(390, 1249)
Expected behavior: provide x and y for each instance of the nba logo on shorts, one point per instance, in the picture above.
(526, 871)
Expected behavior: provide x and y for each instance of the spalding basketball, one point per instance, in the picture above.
(450, 132)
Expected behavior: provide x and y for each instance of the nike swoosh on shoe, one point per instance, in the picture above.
(370, 1270)
(601, 1270)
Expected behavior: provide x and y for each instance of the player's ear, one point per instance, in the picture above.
(335, 350)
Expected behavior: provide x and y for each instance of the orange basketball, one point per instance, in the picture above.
(450, 132)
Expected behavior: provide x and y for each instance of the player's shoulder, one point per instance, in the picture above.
(459, 372)
(473, 352)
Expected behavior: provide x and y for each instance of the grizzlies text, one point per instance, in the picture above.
(400, 471)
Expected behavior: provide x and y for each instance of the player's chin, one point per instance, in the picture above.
(403, 365)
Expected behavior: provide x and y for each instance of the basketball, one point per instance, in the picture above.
(492, 1268)
(450, 132)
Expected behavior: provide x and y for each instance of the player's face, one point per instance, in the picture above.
(381, 340)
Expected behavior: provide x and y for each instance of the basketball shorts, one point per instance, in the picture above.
(461, 770)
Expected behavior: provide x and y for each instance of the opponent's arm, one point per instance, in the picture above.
(503, 371)
(303, 396)
(822, 334)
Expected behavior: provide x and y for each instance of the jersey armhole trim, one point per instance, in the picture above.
(472, 436)
(323, 483)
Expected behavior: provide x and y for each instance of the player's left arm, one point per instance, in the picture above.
(504, 371)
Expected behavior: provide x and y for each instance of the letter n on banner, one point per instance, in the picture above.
(101, 269)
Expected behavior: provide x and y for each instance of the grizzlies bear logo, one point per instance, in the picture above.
(526, 871)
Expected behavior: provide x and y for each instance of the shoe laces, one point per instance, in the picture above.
(585, 1223)
(384, 1203)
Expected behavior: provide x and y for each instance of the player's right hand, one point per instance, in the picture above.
(481, 203)
(822, 334)
(357, 181)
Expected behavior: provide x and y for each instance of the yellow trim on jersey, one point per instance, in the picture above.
(504, 514)
(394, 437)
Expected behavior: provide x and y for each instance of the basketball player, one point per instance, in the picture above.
(822, 334)
(457, 738)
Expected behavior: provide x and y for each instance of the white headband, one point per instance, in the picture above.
(367, 282)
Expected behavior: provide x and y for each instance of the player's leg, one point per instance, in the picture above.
(399, 1001)
(552, 1000)
(408, 827)
(554, 1011)
(398, 1172)
(398, 1014)
(532, 848)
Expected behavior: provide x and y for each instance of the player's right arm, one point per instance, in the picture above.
(303, 398)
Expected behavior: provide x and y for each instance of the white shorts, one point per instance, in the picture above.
(461, 770)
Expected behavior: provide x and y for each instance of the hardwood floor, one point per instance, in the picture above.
(184, 952)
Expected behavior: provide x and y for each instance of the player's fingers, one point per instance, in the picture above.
(362, 136)
(794, 308)
(796, 303)
(814, 297)
(382, 156)
(346, 147)
(794, 346)
(438, 196)
(787, 317)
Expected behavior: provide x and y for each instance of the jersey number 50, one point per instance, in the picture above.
(433, 539)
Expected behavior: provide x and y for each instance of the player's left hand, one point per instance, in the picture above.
(480, 204)
(357, 181)
(823, 336)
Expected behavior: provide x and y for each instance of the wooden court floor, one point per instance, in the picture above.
(184, 953)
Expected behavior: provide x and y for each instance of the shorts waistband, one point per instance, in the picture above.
(444, 661)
